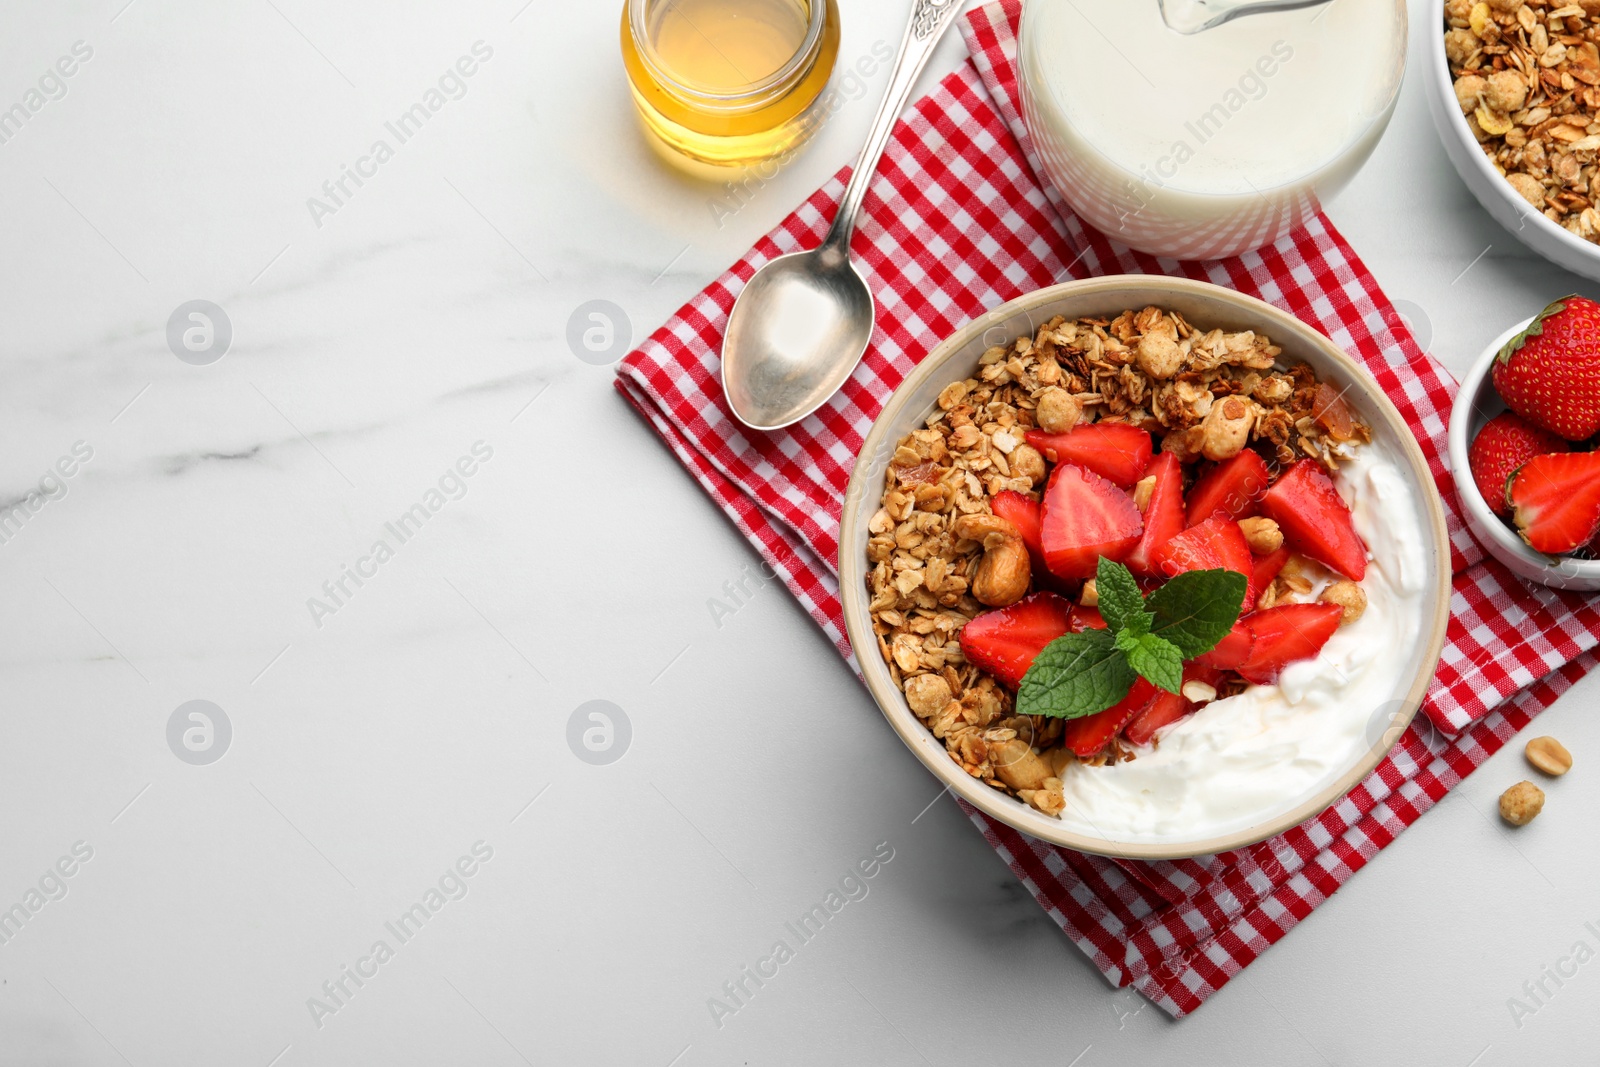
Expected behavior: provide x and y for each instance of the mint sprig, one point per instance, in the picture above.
(1085, 673)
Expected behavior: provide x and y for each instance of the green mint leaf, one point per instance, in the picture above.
(1075, 675)
(1159, 660)
(1196, 609)
(1119, 594)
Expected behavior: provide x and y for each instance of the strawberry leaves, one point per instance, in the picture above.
(1534, 329)
(1084, 673)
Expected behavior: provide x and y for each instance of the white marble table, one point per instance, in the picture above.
(422, 712)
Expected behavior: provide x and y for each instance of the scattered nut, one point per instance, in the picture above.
(1349, 596)
(1520, 803)
(1058, 411)
(1199, 692)
(1262, 535)
(927, 694)
(1548, 755)
(1090, 597)
(1026, 462)
(1017, 765)
(1159, 356)
(1143, 490)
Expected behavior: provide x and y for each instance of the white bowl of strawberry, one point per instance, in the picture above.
(1524, 426)
(1164, 575)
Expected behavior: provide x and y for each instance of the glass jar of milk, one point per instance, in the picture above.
(1204, 145)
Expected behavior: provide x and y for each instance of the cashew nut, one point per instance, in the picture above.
(1002, 575)
(1016, 764)
(1227, 428)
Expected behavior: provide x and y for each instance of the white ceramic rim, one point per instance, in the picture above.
(1445, 85)
(1485, 523)
(1293, 335)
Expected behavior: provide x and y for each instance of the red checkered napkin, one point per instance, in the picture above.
(958, 221)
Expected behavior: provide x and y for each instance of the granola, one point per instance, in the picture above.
(1527, 78)
(937, 550)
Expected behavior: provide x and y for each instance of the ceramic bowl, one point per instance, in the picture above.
(1503, 203)
(1476, 404)
(1206, 306)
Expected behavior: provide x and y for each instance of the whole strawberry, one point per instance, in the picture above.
(1505, 443)
(1550, 372)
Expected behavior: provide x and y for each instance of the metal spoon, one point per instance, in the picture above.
(802, 323)
(1192, 16)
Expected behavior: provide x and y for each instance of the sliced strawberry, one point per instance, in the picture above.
(1023, 513)
(1113, 450)
(1286, 635)
(1005, 642)
(1217, 543)
(1504, 444)
(1267, 568)
(1231, 488)
(1089, 735)
(1163, 517)
(1086, 619)
(1231, 651)
(1557, 500)
(1085, 517)
(1167, 708)
(1315, 520)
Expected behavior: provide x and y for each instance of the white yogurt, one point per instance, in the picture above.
(1204, 145)
(1237, 762)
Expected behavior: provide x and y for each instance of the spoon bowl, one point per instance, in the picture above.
(794, 311)
(803, 321)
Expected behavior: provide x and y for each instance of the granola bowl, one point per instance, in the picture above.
(1555, 160)
(1240, 766)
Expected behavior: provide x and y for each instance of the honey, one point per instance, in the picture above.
(730, 82)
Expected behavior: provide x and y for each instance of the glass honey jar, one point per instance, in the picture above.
(730, 82)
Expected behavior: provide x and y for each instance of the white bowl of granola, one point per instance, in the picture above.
(1110, 413)
(1524, 144)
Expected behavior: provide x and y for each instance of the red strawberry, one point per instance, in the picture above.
(1286, 635)
(1550, 372)
(1217, 543)
(1315, 520)
(1085, 517)
(1231, 651)
(1085, 619)
(1089, 735)
(1005, 642)
(1113, 450)
(1167, 708)
(1557, 501)
(1163, 516)
(1505, 443)
(1023, 513)
(1231, 488)
(1267, 568)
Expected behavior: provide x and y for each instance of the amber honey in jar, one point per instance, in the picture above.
(730, 82)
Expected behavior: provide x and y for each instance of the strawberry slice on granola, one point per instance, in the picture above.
(1083, 518)
(1114, 450)
(1088, 736)
(1216, 544)
(1315, 520)
(1231, 489)
(1006, 642)
(1163, 515)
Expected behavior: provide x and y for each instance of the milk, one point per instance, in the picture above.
(1205, 145)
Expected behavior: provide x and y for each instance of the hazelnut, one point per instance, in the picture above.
(927, 694)
(1159, 356)
(1262, 535)
(1026, 462)
(1185, 444)
(1520, 803)
(1057, 411)
(1548, 755)
(1506, 91)
(1469, 92)
(1349, 596)
(1226, 429)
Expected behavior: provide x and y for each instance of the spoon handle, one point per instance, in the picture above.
(929, 20)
